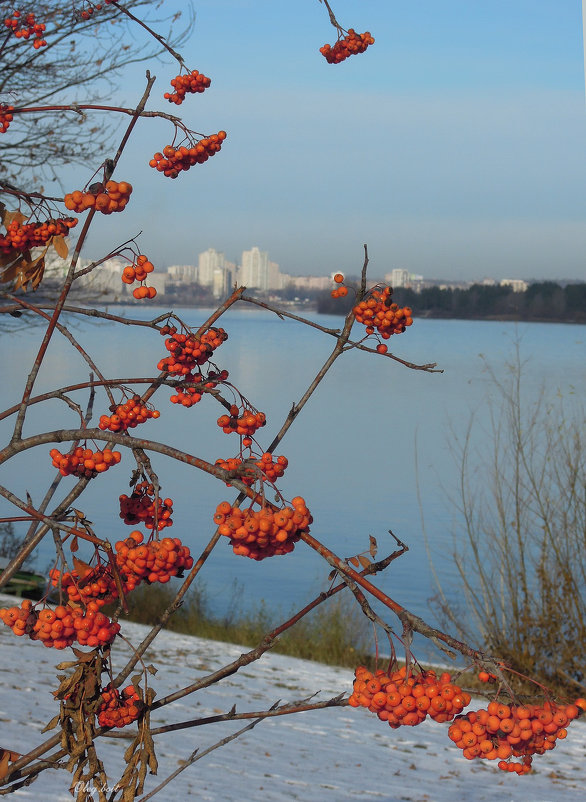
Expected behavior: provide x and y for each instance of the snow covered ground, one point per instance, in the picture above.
(317, 756)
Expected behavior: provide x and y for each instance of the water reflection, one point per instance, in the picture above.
(351, 452)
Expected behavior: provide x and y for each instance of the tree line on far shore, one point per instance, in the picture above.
(543, 300)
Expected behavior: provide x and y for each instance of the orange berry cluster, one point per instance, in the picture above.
(187, 395)
(112, 197)
(84, 461)
(173, 161)
(61, 627)
(505, 731)
(5, 117)
(349, 45)
(245, 425)
(339, 291)
(187, 351)
(116, 710)
(138, 271)
(30, 28)
(20, 236)
(265, 532)
(156, 561)
(268, 469)
(140, 506)
(407, 700)
(87, 584)
(128, 415)
(378, 312)
(194, 82)
(87, 12)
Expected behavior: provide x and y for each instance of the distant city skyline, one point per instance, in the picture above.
(454, 147)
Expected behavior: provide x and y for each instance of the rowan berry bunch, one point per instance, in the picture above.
(173, 161)
(401, 699)
(250, 470)
(143, 506)
(29, 27)
(272, 468)
(264, 532)
(349, 45)
(502, 732)
(84, 461)
(246, 473)
(63, 626)
(94, 628)
(22, 236)
(88, 12)
(86, 584)
(244, 422)
(116, 709)
(128, 415)
(187, 351)
(5, 117)
(138, 271)
(340, 291)
(155, 561)
(20, 619)
(191, 389)
(378, 313)
(193, 82)
(45, 625)
(108, 198)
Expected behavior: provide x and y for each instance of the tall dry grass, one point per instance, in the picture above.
(521, 550)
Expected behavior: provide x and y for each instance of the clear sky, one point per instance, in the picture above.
(455, 146)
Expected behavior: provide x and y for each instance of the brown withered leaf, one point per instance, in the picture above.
(91, 685)
(84, 657)
(52, 724)
(66, 664)
(81, 567)
(25, 270)
(74, 546)
(61, 247)
(8, 258)
(7, 756)
(4, 761)
(332, 575)
(9, 217)
(364, 560)
(354, 561)
(373, 547)
(151, 669)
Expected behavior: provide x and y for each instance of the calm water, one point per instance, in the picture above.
(352, 451)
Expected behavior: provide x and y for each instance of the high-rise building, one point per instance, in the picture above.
(398, 277)
(255, 269)
(182, 274)
(209, 261)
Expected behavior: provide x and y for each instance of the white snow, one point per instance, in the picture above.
(317, 756)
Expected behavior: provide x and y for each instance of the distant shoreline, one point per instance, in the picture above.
(425, 314)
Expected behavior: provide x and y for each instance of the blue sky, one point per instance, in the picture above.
(455, 146)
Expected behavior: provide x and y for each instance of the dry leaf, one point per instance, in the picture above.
(373, 546)
(9, 217)
(52, 724)
(364, 561)
(4, 761)
(61, 247)
(354, 561)
(25, 270)
(81, 567)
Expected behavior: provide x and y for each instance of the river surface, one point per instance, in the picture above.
(372, 434)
